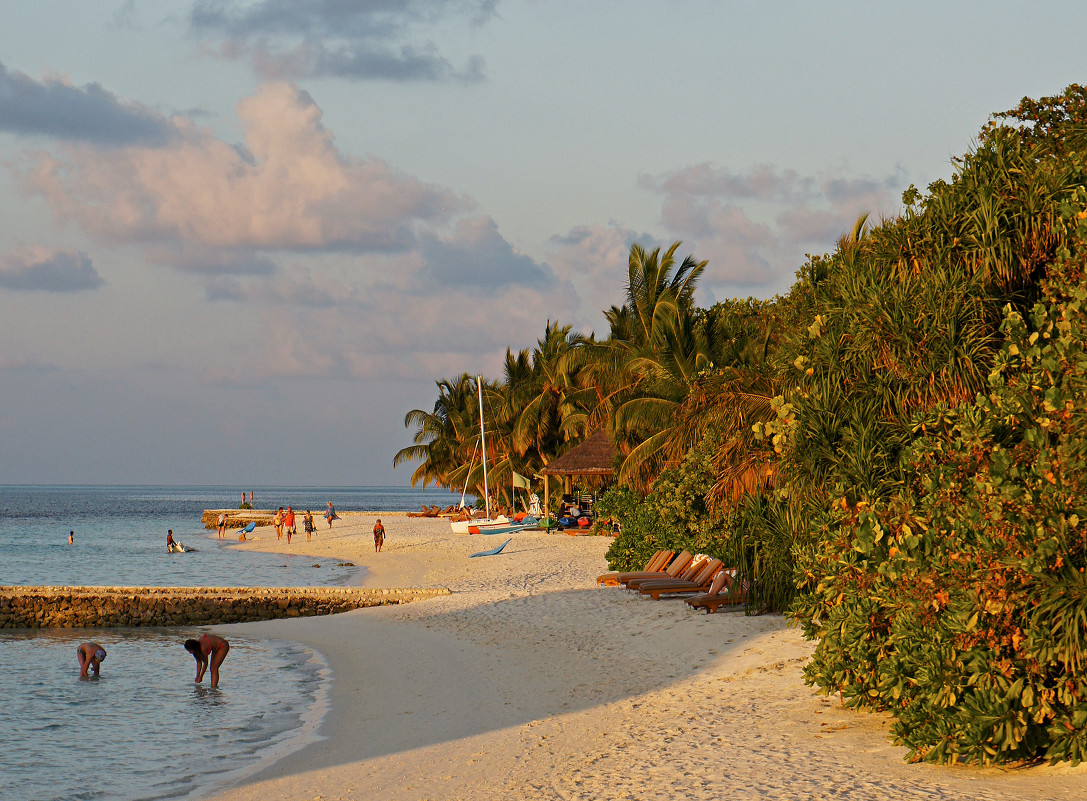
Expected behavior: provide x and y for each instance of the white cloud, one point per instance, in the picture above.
(755, 227)
(289, 189)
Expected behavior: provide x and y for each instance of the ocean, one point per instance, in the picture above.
(144, 729)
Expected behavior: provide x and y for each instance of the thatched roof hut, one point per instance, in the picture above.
(594, 457)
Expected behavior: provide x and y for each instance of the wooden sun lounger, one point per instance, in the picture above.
(726, 590)
(675, 568)
(698, 584)
(656, 564)
(692, 570)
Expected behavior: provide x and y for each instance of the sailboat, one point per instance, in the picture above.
(465, 526)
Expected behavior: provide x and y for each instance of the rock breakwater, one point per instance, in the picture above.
(113, 607)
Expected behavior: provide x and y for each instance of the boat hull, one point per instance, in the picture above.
(462, 526)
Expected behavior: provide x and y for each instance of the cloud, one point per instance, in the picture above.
(52, 107)
(477, 257)
(288, 188)
(331, 38)
(36, 268)
(755, 227)
(593, 260)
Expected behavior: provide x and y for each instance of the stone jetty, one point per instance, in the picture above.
(239, 518)
(113, 607)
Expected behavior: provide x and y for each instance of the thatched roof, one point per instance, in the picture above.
(593, 457)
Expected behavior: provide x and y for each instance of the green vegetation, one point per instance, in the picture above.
(894, 452)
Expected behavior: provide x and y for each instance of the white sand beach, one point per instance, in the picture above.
(530, 682)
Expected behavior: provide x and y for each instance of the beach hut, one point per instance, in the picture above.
(593, 458)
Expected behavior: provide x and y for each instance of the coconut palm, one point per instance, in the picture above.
(444, 437)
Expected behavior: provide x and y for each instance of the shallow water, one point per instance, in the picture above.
(144, 729)
(120, 535)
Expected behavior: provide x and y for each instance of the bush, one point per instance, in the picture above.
(960, 605)
(672, 516)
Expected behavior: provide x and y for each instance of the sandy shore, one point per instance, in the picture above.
(530, 682)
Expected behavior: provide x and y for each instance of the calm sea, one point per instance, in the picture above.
(144, 729)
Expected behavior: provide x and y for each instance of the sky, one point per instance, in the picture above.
(241, 239)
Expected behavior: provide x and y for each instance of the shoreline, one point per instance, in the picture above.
(531, 682)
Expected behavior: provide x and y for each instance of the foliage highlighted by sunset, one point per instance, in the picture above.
(893, 452)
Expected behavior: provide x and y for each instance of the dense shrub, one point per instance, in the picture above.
(673, 515)
(960, 605)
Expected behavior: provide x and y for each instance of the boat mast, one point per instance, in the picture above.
(483, 442)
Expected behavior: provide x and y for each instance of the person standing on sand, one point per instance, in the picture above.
(307, 521)
(330, 515)
(222, 524)
(288, 521)
(209, 649)
(277, 521)
(91, 655)
(379, 535)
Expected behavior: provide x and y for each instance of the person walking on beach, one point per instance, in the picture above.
(222, 524)
(208, 650)
(307, 521)
(330, 515)
(379, 535)
(277, 521)
(91, 655)
(288, 521)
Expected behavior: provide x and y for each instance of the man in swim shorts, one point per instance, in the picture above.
(288, 521)
(170, 543)
(208, 650)
(91, 655)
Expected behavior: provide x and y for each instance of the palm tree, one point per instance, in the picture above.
(643, 328)
(443, 437)
(549, 414)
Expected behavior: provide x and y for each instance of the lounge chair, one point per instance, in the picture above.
(692, 570)
(726, 590)
(656, 564)
(675, 568)
(700, 583)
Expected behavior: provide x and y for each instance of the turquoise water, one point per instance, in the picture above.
(144, 729)
(120, 534)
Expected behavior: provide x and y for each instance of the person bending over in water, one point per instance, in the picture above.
(91, 655)
(208, 649)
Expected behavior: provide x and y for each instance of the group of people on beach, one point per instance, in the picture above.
(208, 651)
(284, 521)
